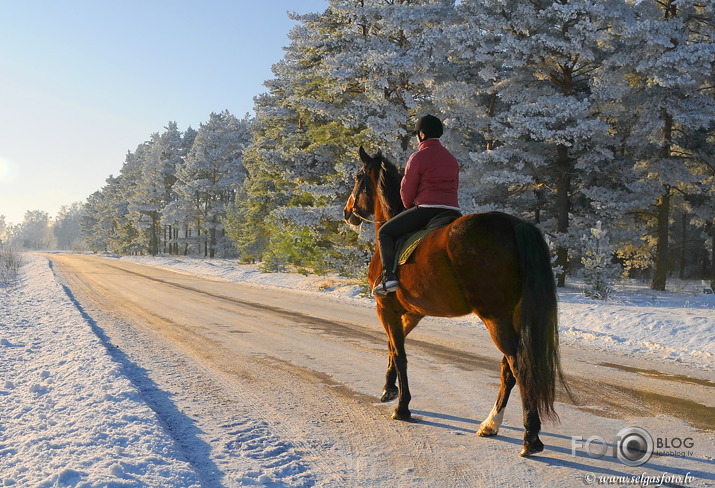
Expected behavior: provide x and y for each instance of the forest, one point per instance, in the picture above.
(594, 119)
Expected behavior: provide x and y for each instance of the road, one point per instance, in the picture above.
(254, 382)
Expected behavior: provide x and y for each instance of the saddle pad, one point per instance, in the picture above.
(407, 244)
(410, 244)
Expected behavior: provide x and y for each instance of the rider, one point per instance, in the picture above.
(428, 188)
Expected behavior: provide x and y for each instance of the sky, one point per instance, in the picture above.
(83, 82)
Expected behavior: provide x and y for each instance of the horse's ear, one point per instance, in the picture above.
(379, 154)
(364, 157)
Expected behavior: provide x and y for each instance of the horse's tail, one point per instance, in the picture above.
(538, 360)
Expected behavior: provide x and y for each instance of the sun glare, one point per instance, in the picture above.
(7, 170)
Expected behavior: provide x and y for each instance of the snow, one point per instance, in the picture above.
(70, 417)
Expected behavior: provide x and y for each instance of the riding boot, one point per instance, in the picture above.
(387, 283)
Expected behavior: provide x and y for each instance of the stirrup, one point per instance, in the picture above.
(385, 286)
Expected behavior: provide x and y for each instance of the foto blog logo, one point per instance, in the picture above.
(633, 446)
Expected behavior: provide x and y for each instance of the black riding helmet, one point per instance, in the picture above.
(430, 125)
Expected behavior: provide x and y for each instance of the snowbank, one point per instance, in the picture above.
(68, 415)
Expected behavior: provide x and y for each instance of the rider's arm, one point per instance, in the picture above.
(410, 182)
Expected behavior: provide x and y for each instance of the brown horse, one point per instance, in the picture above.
(491, 264)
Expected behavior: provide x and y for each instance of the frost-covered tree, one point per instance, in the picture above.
(354, 74)
(106, 225)
(662, 74)
(67, 227)
(178, 228)
(208, 178)
(91, 226)
(599, 270)
(157, 161)
(3, 229)
(34, 232)
(144, 192)
(175, 147)
(542, 140)
(390, 55)
(297, 160)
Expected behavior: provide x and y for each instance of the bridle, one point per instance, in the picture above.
(362, 188)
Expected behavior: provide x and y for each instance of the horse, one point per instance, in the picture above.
(492, 264)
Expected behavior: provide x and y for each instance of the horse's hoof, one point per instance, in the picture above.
(388, 395)
(534, 447)
(405, 416)
(486, 432)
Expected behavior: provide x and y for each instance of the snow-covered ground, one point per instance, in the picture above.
(69, 417)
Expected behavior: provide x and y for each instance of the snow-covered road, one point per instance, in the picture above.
(123, 375)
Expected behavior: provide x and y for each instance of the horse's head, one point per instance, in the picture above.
(361, 204)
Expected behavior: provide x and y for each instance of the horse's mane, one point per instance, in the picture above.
(389, 188)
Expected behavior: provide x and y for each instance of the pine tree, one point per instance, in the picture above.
(600, 273)
(354, 74)
(66, 228)
(208, 178)
(3, 229)
(34, 232)
(292, 183)
(665, 64)
(177, 225)
(541, 136)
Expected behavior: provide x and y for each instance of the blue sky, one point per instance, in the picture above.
(83, 82)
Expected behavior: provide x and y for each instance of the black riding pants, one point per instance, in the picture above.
(403, 223)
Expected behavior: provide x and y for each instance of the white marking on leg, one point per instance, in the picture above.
(491, 425)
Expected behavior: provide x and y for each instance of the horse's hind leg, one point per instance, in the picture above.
(532, 421)
(491, 425)
(506, 339)
(532, 426)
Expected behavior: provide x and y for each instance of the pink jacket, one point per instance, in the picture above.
(431, 177)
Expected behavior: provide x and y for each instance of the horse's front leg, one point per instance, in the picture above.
(402, 412)
(390, 391)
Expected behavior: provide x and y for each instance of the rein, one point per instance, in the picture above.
(362, 188)
(369, 221)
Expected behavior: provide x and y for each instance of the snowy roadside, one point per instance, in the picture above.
(68, 415)
(673, 326)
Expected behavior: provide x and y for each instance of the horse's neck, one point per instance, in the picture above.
(383, 210)
(382, 213)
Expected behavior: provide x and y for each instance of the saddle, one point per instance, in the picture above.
(407, 244)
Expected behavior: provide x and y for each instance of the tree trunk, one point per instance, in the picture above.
(683, 244)
(154, 238)
(660, 273)
(490, 112)
(212, 242)
(712, 256)
(563, 205)
(539, 194)
(187, 234)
